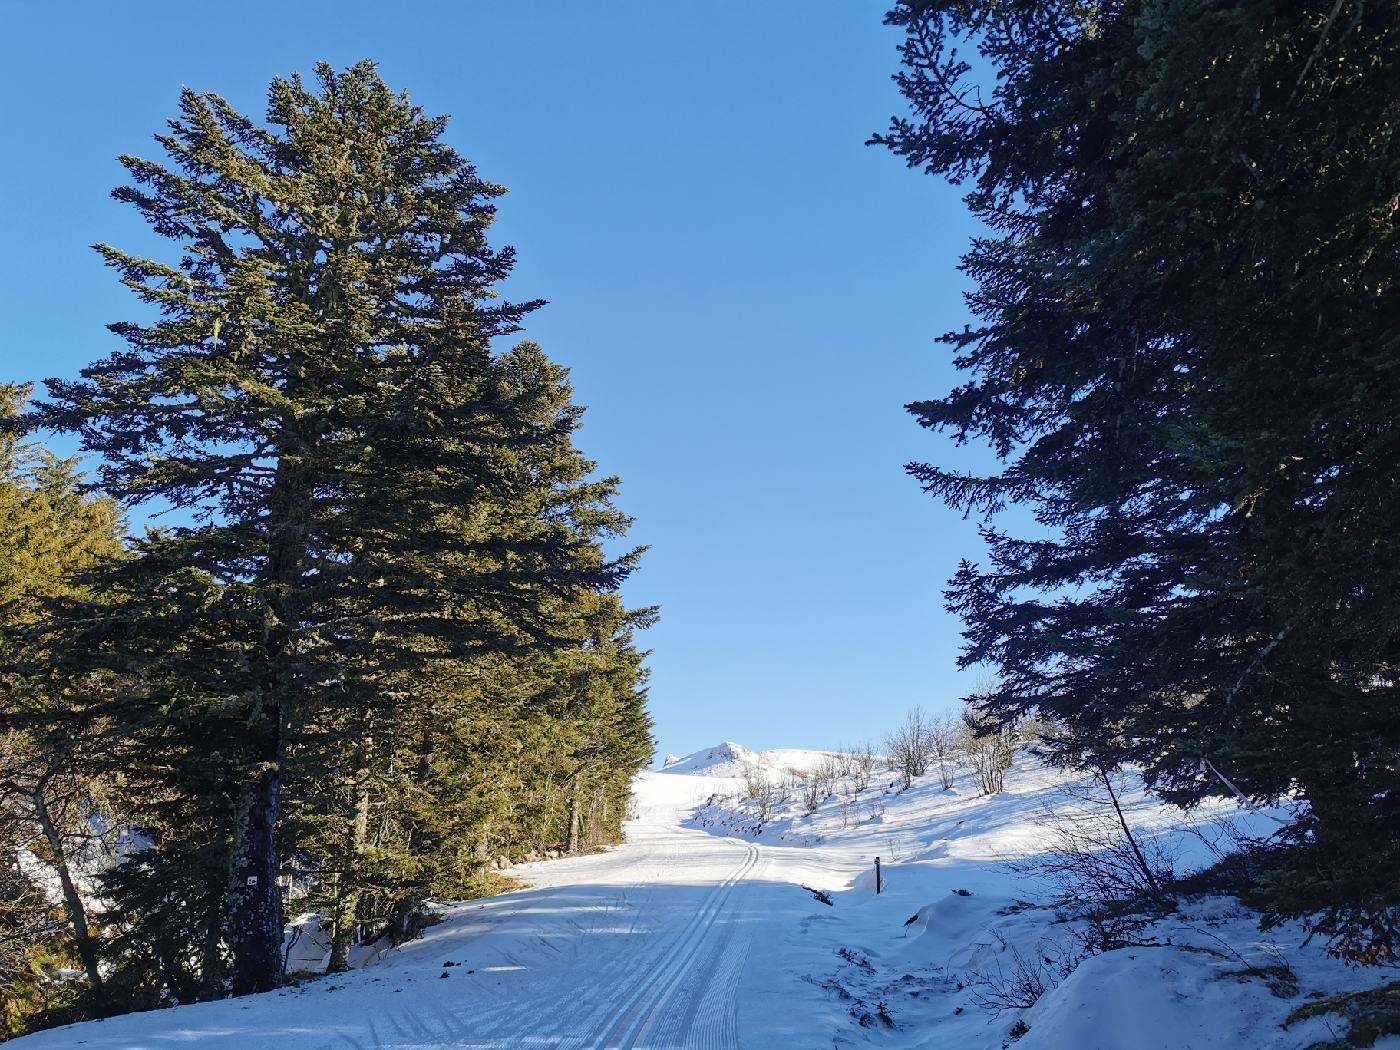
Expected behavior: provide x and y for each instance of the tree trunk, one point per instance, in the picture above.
(403, 919)
(256, 920)
(212, 963)
(72, 902)
(343, 926)
(403, 923)
(575, 817)
(256, 923)
(348, 900)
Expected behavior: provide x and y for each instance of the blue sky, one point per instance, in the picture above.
(746, 295)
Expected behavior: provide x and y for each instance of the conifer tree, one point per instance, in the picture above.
(366, 487)
(52, 534)
(1183, 354)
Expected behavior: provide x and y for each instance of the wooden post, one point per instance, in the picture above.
(877, 874)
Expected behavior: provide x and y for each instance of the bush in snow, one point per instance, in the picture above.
(1092, 855)
(990, 747)
(765, 791)
(862, 763)
(910, 747)
(1016, 980)
(944, 742)
(819, 783)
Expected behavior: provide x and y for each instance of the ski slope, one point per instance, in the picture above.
(702, 932)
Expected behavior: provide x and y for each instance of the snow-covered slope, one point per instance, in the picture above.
(705, 931)
(963, 948)
(729, 760)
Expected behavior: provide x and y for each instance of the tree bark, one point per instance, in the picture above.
(256, 925)
(575, 818)
(348, 900)
(256, 920)
(72, 902)
(403, 919)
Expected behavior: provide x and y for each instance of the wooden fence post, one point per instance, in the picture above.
(877, 874)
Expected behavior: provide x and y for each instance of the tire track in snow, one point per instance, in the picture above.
(639, 976)
(711, 1022)
(635, 975)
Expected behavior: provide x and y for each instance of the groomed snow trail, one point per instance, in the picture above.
(700, 933)
(639, 948)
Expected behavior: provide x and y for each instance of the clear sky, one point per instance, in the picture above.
(745, 293)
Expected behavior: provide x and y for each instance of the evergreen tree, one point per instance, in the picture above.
(52, 535)
(365, 484)
(509, 755)
(1184, 357)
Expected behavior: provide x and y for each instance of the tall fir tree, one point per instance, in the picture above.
(53, 536)
(1184, 356)
(365, 486)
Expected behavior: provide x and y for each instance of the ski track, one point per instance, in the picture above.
(669, 985)
(684, 938)
(691, 951)
(641, 947)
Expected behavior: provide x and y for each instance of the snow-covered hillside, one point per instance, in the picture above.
(964, 947)
(710, 929)
(731, 761)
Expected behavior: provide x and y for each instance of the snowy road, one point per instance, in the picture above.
(694, 936)
(640, 947)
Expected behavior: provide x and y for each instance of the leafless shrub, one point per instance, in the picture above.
(764, 791)
(990, 746)
(1093, 857)
(1016, 981)
(1015, 985)
(845, 803)
(863, 763)
(787, 787)
(1035, 728)
(898, 848)
(843, 759)
(833, 767)
(819, 783)
(756, 781)
(944, 742)
(1106, 930)
(909, 746)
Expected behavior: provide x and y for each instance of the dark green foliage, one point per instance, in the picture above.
(377, 513)
(513, 757)
(1185, 356)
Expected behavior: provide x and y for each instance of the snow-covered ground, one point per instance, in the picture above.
(704, 931)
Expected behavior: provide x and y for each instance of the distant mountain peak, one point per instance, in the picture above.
(724, 759)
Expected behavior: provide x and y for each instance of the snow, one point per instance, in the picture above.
(729, 760)
(704, 931)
